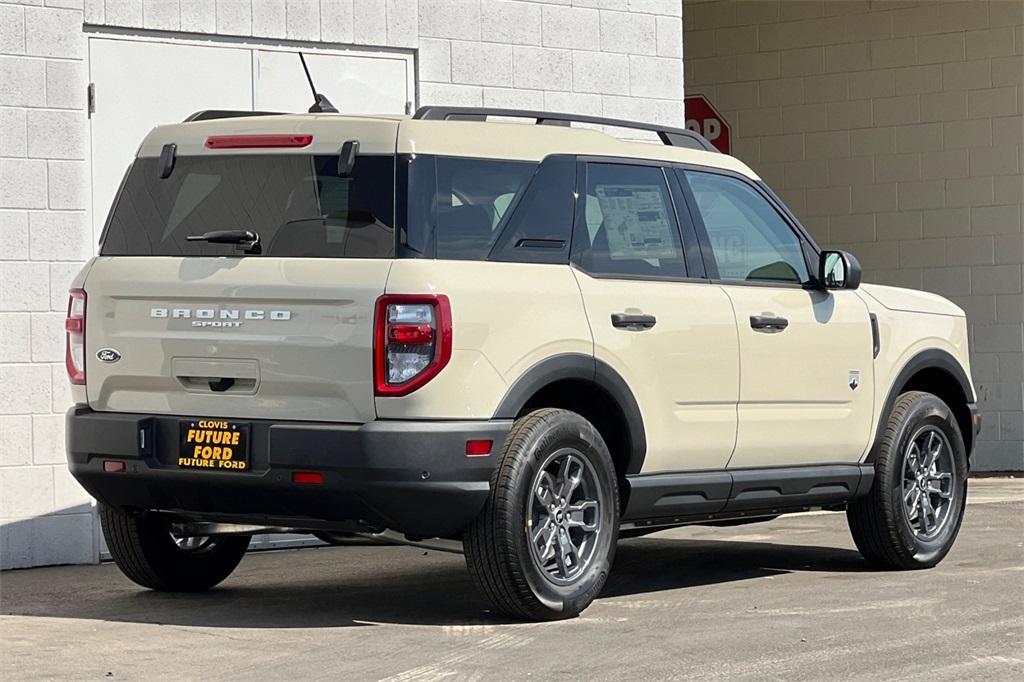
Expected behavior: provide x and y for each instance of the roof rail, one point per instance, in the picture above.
(211, 114)
(673, 137)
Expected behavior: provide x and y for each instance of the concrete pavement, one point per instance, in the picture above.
(787, 599)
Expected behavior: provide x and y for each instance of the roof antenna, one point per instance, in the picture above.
(321, 105)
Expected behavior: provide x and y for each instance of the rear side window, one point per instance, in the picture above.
(298, 205)
(539, 227)
(628, 224)
(749, 239)
(455, 205)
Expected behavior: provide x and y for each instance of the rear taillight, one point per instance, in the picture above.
(412, 341)
(74, 326)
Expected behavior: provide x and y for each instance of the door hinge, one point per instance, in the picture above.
(90, 99)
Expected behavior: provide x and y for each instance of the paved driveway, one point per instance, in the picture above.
(788, 599)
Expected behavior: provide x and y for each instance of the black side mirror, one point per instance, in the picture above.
(838, 270)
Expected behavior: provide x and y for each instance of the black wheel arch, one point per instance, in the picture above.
(578, 367)
(934, 371)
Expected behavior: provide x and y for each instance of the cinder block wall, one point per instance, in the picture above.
(589, 56)
(894, 130)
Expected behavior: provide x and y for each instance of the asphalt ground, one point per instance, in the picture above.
(790, 599)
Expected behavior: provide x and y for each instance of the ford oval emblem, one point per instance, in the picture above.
(108, 355)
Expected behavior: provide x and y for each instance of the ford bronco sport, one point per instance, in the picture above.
(523, 341)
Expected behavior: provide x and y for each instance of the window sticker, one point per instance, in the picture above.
(636, 221)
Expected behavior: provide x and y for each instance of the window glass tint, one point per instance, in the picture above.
(298, 205)
(750, 240)
(456, 204)
(629, 227)
(539, 228)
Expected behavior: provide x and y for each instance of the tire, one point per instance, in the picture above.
(890, 525)
(534, 583)
(144, 549)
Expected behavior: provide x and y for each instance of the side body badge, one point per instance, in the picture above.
(854, 379)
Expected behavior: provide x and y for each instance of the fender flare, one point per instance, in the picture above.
(932, 358)
(584, 368)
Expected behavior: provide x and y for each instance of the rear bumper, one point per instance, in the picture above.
(409, 476)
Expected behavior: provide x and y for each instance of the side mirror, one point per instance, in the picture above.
(838, 270)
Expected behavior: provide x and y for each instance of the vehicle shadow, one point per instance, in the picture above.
(333, 587)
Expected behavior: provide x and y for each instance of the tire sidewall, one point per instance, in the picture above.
(566, 430)
(927, 411)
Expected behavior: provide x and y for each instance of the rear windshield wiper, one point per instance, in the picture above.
(248, 240)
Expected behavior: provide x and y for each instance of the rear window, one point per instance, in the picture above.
(298, 205)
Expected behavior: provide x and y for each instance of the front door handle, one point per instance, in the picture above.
(768, 324)
(633, 322)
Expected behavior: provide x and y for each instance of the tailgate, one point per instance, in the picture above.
(271, 338)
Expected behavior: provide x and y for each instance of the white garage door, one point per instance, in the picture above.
(140, 83)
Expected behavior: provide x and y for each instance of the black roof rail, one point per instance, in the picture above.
(212, 114)
(673, 137)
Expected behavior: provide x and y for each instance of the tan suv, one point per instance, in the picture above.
(519, 341)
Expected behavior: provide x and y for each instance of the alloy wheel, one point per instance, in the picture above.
(929, 482)
(563, 516)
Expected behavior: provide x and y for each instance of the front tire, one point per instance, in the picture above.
(146, 550)
(912, 514)
(543, 545)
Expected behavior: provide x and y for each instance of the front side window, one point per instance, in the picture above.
(628, 224)
(749, 239)
(298, 204)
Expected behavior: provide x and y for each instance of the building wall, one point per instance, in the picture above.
(894, 130)
(564, 56)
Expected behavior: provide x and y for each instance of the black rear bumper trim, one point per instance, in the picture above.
(409, 476)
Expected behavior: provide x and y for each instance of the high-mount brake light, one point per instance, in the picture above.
(412, 341)
(257, 141)
(74, 328)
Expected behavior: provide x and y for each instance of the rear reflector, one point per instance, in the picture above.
(313, 477)
(257, 141)
(478, 448)
(114, 466)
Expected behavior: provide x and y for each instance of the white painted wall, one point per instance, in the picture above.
(615, 58)
(893, 129)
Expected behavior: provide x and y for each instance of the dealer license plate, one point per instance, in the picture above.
(214, 444)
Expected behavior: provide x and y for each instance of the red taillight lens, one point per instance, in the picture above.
(74, 327)
(257, 141)
(410, 333)
(412, 341)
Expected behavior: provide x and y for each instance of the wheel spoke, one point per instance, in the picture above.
(576, 516)
(545, 492)
(913, 507)
(932, 449)
(570, 473)
(927, 516)
(548, 549)
(940, 484)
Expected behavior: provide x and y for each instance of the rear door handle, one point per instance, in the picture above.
(767, 323)
(633, 322)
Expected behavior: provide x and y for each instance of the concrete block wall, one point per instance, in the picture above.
(45, 517)
(620, 59)
(894, 130)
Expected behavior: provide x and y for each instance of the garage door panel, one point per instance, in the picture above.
(354, 84)
(141, 84)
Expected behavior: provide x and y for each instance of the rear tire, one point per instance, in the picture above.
(145, 550)
(543, 545)
(912, 514)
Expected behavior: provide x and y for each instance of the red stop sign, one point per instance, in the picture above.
(703, 118)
